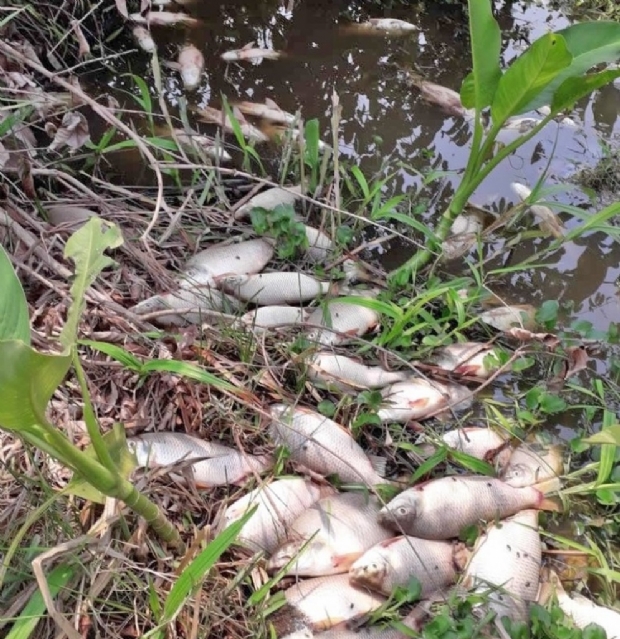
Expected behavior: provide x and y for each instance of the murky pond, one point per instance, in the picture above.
(387, 128)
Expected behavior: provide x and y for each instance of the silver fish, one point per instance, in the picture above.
(548, 220)
(210, 146)
(250, 52)
(269, 111)
(222, 466)
(266, 317)
(268, 289)
(319, 246)
(278, 505)
(338, 322)
(144, 39)
(503, 318)
(390, 26)
(191, 64)
(328, 601)
(242, 258)
(478, 442)
(534, 465)
(163, 18)
(441, 508)
(506, 563)
(322, 445)
(200, 299)
(346, 374)
(330, 536)
(215, 116)
(394, 562)
(418, 398)
(467, 358)
(269, 200)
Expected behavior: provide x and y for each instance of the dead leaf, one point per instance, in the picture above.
(577, 360)
(27, 181)
(84, 47)
(73, 132)
(121, 5)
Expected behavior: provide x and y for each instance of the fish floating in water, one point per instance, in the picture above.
(387, 26)
(549, 222)
(198, 143)
(445, 98)
(163, 18)
(218, 466)
(325, 602)
(267, 289)
(144, 38)
(278, 503)
(506, 565)
(269, 110)
(345, 374)
(250, 52)
(215, 116)
(228, 259)
(396, 561)
(441, 508)
(323, 446)
(191, 65)
(330, 536)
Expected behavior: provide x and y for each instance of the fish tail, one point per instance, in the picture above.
(551, 505)
(551, 485)
(379, 464)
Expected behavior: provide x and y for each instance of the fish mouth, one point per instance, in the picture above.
(371, 575)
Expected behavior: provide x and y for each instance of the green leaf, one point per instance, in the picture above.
(125, 462)
(590, 44)
(610, 435)
(473, 464)
(85, 247)
(528, 75)
(27, 381)
(573, 89)
(24, 626)
(425, 467)
(197, 570)
(14, 322)
(485, 52)
(468, 91)
(115, 352)
(191, 371)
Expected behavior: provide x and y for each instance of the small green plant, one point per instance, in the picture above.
(282, 225)
(554, 71)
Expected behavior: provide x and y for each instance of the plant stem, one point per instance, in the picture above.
(92, 426)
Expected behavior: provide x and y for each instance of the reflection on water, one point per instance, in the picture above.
(387, 126)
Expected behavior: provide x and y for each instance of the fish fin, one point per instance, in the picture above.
(247, 46)
(344, 562)
(418, 403)
(551, 485)
(551, 505)
(271, 104)
(379, 464)
(388, 542)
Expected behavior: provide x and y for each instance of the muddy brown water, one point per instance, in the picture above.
(387, 127)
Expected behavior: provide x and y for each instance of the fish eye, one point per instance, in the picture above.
(402, 511)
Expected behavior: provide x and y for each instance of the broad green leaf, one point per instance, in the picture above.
(468, 92)
(85, 247)
(14, 322)
(590, 44)
(197, 570)
(124, 461)
(485, 52)
(610, 435)
(528, 75)
(24, 626)
(573, 89)
(27, 381)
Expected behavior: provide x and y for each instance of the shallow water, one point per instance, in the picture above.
(387, 127)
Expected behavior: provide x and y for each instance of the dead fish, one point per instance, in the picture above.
(368, 632)
(467, 358)
(222, 466)
(203, 143)
(323, 446)
(191, 65)
(281, 132)
(163, 18)
(319, 245)
(278, 503)
(503, 318)
(506, 564)
(215, 116)
(581, 610)
(394, 562)
(534, 465)
(251, 52)
(348, 375)
(328, 601)
(549, 222)
(445, 98)
(478, 442)
(330, 536)
(225, 259)
(200, 298)
(337, 322)
(417, 398)
(391, 26)
(267, 317)
(268, 111)
(441, 508)
(269, 200)
(520, 125)
(472, 222)
(144, 39)
(267, 289)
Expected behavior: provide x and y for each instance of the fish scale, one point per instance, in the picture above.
(267, 289)
(394, 562)
(441, 508)
(330, 535)
(338, 322)
(507, 561)
(321, 445)
(223, 465)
